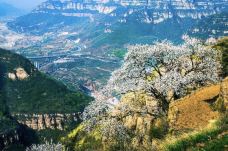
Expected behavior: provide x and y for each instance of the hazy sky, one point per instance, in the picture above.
(24, 4)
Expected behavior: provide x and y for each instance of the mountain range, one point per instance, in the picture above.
(7, 10)
(80, 43)
(106, 17)
(105, 28)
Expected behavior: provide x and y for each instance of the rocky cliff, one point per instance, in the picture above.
(139, 113)
(128, 125)
(47, 121)
(140, 119)
(152, 11)
(106, 14)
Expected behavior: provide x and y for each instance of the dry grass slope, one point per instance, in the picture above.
(194, 111)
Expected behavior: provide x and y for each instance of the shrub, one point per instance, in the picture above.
(160, 128)
(48, 146)
(213, 138)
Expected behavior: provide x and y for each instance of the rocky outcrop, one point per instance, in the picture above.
(155, 11)
(129, 125)
(139, 113)
(138, 121)
(12, 76)
(19, 74)
(47, 121)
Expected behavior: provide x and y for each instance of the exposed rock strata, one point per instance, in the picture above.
(47, 121)
(155, 11)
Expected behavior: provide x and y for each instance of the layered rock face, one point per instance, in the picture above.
(152, 11)
(47, 121)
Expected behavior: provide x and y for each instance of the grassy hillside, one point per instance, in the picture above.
(199, 121)
(213, 138)
(25, 90)
(3, 107)
(37, 93)
(9, 127)
(196, 110)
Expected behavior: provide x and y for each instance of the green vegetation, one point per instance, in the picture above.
(80, 140)
(37, 93)
(34, 94)
(7, 124)
(159, 129)
(50, 134)
(40, 94)
(3, 107)
(222, 45)
(215, 144)
(132, 33)
(214, 138)
(120, 53)
(219, 105)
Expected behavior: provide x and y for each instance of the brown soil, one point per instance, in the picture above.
(194, 111)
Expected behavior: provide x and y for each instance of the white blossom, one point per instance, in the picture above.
(112, 128)
(170, 67)
(48, 146)
(96, 108)
(157, 69)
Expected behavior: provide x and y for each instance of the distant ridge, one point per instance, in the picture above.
(7, 10)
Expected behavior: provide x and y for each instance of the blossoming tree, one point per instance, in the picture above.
(164, 67)
(163, 70)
